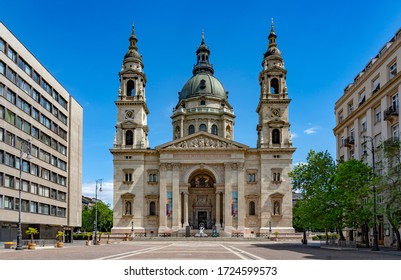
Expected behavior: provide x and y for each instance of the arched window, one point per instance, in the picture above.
(252, 210)
(130, 88)
(129, 137)
(191, 129)
(276, 136)
(214, 129)
(274, 86)
(202, 127)
(152, 208)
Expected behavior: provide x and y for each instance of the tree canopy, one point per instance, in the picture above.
(104, 217)
(335, 196)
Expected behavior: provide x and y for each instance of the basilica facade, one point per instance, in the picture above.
(203, 178)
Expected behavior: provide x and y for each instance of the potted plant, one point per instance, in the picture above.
(59, 238)
(99, 242)
(276, 233)
(126, 236)
(32, 231)
(88, 236)
(108, 237)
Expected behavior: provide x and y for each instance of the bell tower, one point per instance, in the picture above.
(131, 128)
(273, 127)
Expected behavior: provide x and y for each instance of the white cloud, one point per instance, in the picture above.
(311, 130)
(294, 135)
(105, 195)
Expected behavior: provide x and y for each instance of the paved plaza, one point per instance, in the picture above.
(206, 249)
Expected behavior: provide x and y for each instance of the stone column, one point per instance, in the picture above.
(181, 127)
(176, 197)
(163, 198)
(384, 124)
(265, 181)
(241, 197)
(357, 139)
(228, 222)
(217, 208)
(186, 209)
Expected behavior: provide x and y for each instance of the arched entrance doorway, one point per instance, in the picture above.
(202, 200)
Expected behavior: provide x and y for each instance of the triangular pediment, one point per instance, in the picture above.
(201, 141)
(128, 124)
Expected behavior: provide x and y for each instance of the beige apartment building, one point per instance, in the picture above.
(368, 112)
(202, 178)
(42, 122)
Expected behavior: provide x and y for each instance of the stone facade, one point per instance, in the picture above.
(203, 178)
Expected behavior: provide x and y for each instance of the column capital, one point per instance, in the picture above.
(237, 165)
(166, 166)
(176, 166)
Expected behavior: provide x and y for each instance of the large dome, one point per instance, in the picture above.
(203, 84)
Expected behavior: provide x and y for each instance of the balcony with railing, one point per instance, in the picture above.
(391, 113)
(349, 141)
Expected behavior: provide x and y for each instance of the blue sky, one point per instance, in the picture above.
(82, 43)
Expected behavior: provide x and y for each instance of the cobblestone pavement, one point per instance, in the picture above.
(197, 250)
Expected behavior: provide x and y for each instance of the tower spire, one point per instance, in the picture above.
(202, 54)
(133, 49)
(272, 36)
(272, 26)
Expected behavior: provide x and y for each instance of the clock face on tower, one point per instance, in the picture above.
(129, 114)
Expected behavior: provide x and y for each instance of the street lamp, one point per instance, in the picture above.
(270, 229)
(99, 181)
(375, 246)
(28, 156)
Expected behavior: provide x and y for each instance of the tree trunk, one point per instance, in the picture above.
(342, 238)
(365, 233)
(397, 234)
(351, 235)
(395, 227)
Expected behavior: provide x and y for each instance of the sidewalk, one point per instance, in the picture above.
(383, 250)
(46, 246)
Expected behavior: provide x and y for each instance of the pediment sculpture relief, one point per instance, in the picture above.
(202, 142)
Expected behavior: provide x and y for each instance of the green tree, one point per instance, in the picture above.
(314, 179)
(104, 217)
(389, 184)
(353, 179)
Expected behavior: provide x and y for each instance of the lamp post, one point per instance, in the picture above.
(270, 229)
(375, 245)
(28, 156)
(99, 181)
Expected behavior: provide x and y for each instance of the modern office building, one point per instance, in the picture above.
(203, 177)
(40, 146)
(368, 111)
